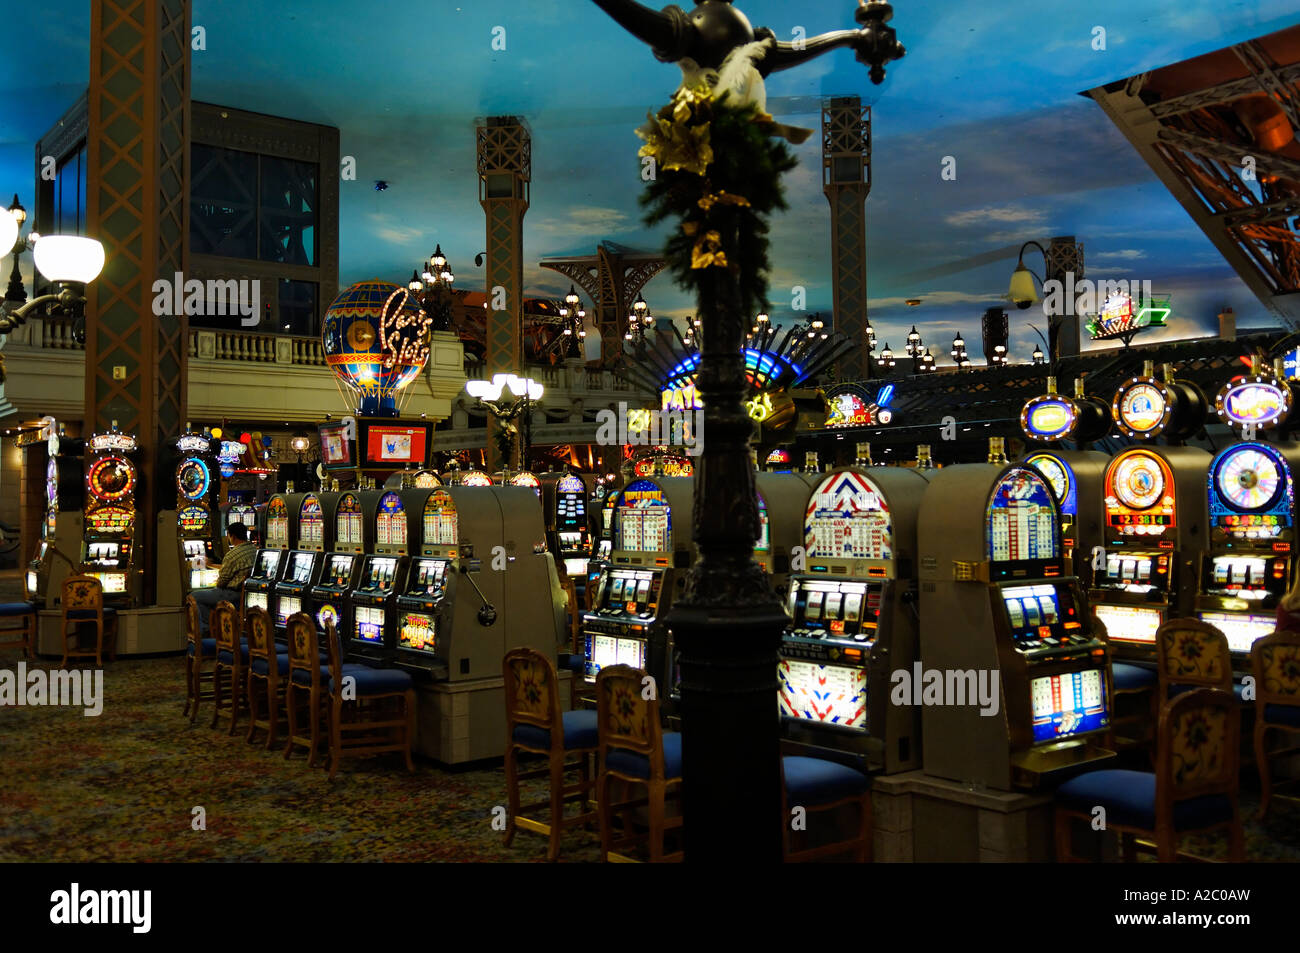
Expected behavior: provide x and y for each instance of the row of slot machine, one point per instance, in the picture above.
(439, 581)
(1168, 531)
(864, 557)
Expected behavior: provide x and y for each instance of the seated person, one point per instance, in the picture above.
(234, 569)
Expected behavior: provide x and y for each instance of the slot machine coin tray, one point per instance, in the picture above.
(1030, 767)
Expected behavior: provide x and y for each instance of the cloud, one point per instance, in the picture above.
(395, 234)
(1125, 254)
(1007, 214)
(587, 222)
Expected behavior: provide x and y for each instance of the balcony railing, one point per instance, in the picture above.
(569, 378)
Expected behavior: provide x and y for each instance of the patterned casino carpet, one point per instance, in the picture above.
(122, 786)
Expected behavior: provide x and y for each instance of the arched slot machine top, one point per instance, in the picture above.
(281, 523)
(390, 524)
(1023, 524)
(475, 478)
(643, 521)
(440, 525)
(349, 523)
(524, 478)
(1247, 566)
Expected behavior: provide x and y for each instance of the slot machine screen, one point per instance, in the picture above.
(390, 521)
(203, 578)
(381, 573)
(1129, 623)
(570, 502)
(1068, 704)
(845, 608)
(1241, 630)
(311, 523)
(440, 520)
(847, 518)
(288, 606)
(575, 567)
(1252, 496)
(370, 624)
(257, 599)
(630, 652)
(112, 582)
(340, 572)
(604, 651)
(1030, 609)
(1022, 518)
(417, 632)
(268, 561)
(832, 694)
(644, 519)
(300, 570)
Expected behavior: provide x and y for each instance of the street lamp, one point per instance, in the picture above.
(16, 294)
(69, 262)
(958, 351)
(693, 329)
(927, 362)
(1038, 354)
(999, 356)
(575, 329)
(638, 323)
(432, 287)
(523, 393)
(887, 357)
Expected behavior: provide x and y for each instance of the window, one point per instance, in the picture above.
(298, 308)
(260, 208)
(70, 195)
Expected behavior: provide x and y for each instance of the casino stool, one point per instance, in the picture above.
(532, 715)
(1194, 786)
(1191, 654)
(83, 601)
(1275, 662)
(818, 784)
(1140, 683)
(634, 749)
(355, 721)
(24, 633)
(232, 657)
(268, 666)
(198, 651)
(307, 676)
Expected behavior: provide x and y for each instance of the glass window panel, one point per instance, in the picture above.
(288, 205)
(298, 308)
(223, 202)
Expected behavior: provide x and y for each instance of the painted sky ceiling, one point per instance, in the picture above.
(995, 86)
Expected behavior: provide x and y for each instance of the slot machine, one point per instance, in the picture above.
(524, 478)
(568, 530)
(246, 513)
(372, 634)
(1153, 514)
(196, 513)
(853, 616)
(304, 565)
(62, 528)
(651, 552)
(1153, 507)
(605, 501)
(781, 500)
(475, 478)
(111, 526)
(279, 536)
(1248, 562)
(1013, 683)
(327, 600)
(1075, 476)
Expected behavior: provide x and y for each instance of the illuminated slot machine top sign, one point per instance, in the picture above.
(1049, 417)
(348, 528)
(390, 521)
(1251, 493)
(1257, 401)
(1059, 478)
(1022, 518)
(847, 518)
(475, 478)
(851, 407)
(1139, 494)
(1142, 408)
(440, 520)
(113, 440)
(644, 519)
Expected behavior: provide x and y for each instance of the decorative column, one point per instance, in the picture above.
(1064, 255)
(137, 205)
(504, 169)
(846, 180)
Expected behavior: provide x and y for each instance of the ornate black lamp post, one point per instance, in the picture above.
(575, 331)
(433, 289)
(728, 624)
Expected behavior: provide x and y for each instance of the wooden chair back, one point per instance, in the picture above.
(1275, 662)
(261, 636)
(626, 717)
(1191, 652)
(335, 652)
(304, 650)
(223, 625)
(1198, 748)
(83, 593)
(532, 693)
(193, 634)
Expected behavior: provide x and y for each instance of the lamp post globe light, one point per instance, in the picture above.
(69, 262)
(1038, 354)
(574, 326)
(524, 392)
(432, 287)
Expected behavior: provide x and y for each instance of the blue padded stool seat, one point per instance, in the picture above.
(638, 766)
(1288, 715)
(208, 647)
(80, 614)
(374, 681)
(1132, 678)
(812, 781)
(580, 731)
(259, 666)
(16, 608)
(1129, 798)
(576, 664)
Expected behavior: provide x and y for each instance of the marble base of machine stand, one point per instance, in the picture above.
(457, 722)
(919, 818)
(155, 630)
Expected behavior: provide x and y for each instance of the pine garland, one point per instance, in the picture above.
(718, 171)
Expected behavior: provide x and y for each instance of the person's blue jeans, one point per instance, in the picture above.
(207, 600)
